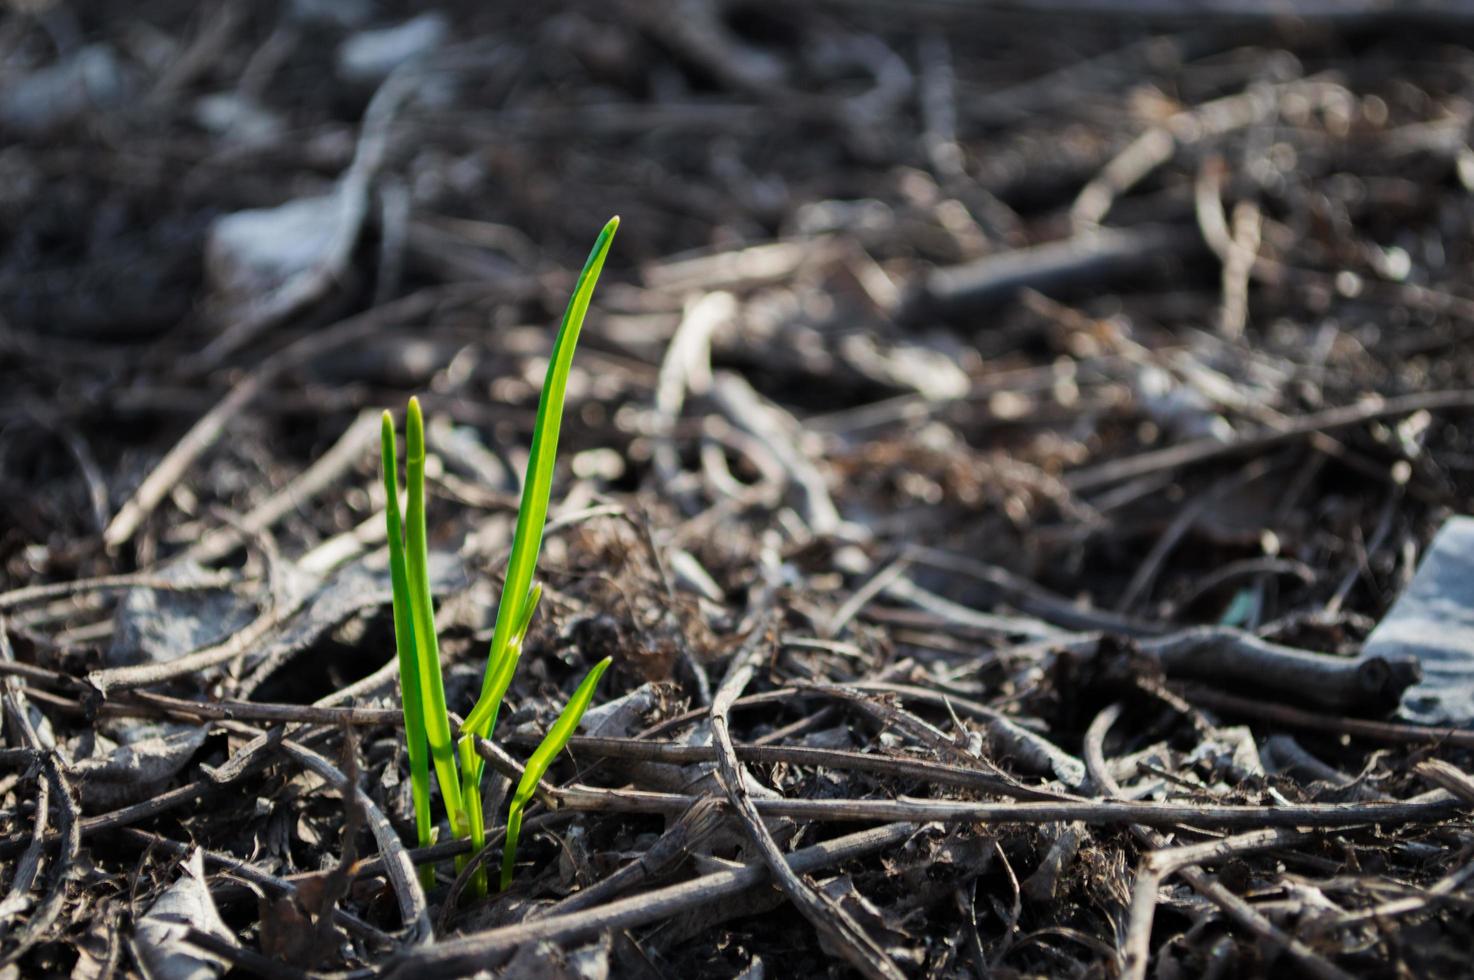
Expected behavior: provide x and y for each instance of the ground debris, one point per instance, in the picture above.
(1009, 463)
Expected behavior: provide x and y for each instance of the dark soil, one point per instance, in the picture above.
(972, 374)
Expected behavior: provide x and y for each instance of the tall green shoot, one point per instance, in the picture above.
(537, 488)
(427, 724)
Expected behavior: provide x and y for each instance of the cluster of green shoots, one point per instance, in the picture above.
(427, 727)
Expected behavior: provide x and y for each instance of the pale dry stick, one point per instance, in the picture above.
(203, 434)
(1442, 888)
(1233, 315)
(413, 911)
(1159, 144)
(238, 645)
(466, 954)
(779, 431)
(343, 548)
(832, 922)
(903, 588)
(1237, 247)
(1154, 870)
(718, 435)
(1449, 777)
(685, 369)
(1196, 451)
(862, 596)
(742, 268)
(1213, 224)
(302, 714)
(68, 836)
(1428, 808)
(897, 767)
(1212, 219)
(1159, 865)
(117, 583)
(323, 473)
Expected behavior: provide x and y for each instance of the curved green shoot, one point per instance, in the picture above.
(422, 614)
(537, 488)
(537, 765)
(404, 643)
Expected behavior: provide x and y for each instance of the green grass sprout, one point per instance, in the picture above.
(428, 738)
(422, 613)
(415, 740)
(541, 758)
(517, 594)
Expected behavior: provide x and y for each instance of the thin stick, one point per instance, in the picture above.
(832, 922)
(1201, 450)
(413, 911)
(116, 583)
(466, 954)
(203, 434)
(323, 473)
(1283, 714)
(1162, 862)
(1428, 808)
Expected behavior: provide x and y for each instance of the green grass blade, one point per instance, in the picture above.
(524, 619)
(537, 764)
(471, 765)
(506, 666)
(404, 642)
(422, 611)
(537, 488)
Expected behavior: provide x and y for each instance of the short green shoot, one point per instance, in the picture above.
(537, 764)
(428, 736)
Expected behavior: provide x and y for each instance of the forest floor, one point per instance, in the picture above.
(1016, 423)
